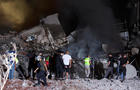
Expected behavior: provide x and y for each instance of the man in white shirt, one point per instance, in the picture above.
(67, 60)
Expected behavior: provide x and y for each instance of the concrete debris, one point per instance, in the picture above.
(76, 84)
(42, 35)
(52, 19)
(134, 51)
(37, 37)
(130, 71)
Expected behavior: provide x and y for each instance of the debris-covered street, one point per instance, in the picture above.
(77, 84)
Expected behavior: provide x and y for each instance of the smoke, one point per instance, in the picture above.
(85, 44)
(24, 14)
(96, 26)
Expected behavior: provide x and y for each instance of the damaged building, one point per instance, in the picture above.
(83, 27)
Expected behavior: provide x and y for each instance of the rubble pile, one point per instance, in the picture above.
(76, 84)
(38, 39)
(43, 37)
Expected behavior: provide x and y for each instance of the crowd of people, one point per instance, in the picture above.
(121, 61)
(41, 66)
(120, 71)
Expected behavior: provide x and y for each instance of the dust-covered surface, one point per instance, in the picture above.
(77, 84)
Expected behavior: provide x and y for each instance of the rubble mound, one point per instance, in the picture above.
(76, 84)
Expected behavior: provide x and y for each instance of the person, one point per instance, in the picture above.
(87, 61)
(32, 64)
(41, 72)
(12, 64)
(52, 66)
(24, 63)
(91, 68)
(110, 66)
(12, 60)
(118, 65)
(59, 65)
(67, 60)
(123, 62)
(18, 68)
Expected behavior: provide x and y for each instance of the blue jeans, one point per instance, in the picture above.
(118, 72)
(11, 73)
(122, 76)
(123, 73)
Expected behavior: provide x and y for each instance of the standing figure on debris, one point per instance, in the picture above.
(110, 66)
(32, 64)
(118, 65)
(41, 72)
(24, 63)
(51, 66)
(87, 61)
(12, 60)
(67, 60)
(59, 65)
(123, 62)
(91, 68)
(18, 66)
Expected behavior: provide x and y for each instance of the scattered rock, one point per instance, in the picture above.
(76, 84)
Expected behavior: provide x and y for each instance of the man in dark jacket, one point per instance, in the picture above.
(110, 66)
(41, 71)
(59, 65)
(123, 62)
(32, 64)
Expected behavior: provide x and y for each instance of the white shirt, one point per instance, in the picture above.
(66, 59)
